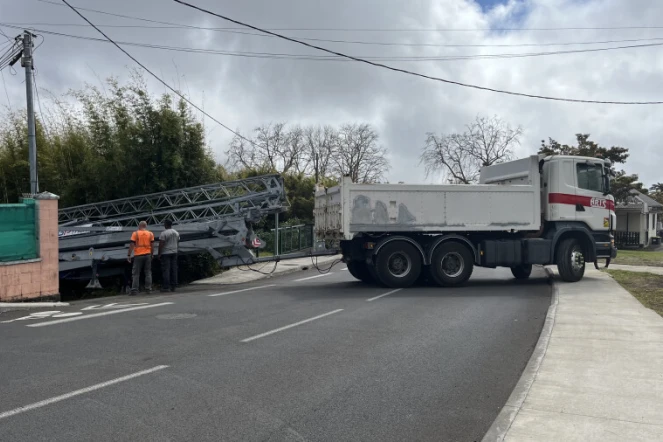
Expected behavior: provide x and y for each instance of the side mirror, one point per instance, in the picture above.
(606, 184)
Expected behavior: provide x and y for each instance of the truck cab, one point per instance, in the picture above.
(576, 192)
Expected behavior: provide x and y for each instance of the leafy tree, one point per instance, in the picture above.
(460, 157)
(622, 184)
(112, 144)
(586, 148)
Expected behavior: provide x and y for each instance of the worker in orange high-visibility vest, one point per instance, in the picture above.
(141, 246)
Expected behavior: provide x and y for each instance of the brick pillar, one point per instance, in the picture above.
(48, 244)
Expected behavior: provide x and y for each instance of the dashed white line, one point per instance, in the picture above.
(344, 268)
(262, 335)
(242, 290)
(383, 295)
(96, 315)
(313, 277)
(63, 397)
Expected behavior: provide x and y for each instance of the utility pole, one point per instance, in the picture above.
(26, 62)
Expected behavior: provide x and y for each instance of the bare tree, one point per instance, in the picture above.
(274, 148)
(358, 154)
(320, 147)
(460, 157)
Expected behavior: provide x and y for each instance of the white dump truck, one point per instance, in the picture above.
(537, 210)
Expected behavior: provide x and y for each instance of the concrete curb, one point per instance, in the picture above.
(32, 304)
(498, 430)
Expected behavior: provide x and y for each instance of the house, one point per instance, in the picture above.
(637, 220)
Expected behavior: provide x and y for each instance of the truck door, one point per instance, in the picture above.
(561, 186)
(592, 206)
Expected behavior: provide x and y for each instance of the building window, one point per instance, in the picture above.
(590, 176)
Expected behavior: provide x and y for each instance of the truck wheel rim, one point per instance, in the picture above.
(452, 264)
(399, 264)
(577, 259)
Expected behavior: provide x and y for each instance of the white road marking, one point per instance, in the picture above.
(45, 314)
(113, 305)
(96, 315)
(36, 315)
(344, 268)
(262, 335)
(67, 315)
(383, 295)
(313, 277)
(243, 290)
(63, 397)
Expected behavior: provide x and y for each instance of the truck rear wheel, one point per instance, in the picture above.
(452, 264)
(570, 260)
(359, 270)
(522, 271)
(398, 264)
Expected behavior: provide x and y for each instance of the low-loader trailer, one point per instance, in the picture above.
(537, 210)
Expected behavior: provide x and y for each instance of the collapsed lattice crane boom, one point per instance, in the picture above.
(215, 218)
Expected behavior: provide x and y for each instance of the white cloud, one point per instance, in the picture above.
(245, 92)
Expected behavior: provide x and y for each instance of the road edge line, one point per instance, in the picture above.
(29, 304)
(502, 423)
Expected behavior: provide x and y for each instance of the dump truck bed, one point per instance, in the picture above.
(509, 199)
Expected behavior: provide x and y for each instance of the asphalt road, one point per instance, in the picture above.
(320, 359)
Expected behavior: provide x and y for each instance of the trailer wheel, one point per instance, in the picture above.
(398, 264)
(360, 271)
(452, 264)
(522, 271)
(570, 260)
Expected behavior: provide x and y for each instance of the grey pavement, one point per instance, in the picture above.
(600, 377)
(332, 360)
(242, 274)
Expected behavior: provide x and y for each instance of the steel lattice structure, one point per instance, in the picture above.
(214, 218)
(257, 195)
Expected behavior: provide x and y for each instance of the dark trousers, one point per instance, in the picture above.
(169, 271)
(142, 263)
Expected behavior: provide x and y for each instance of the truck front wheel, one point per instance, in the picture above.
(452, 264)
(359, 270)
(398, 264)
(522, 271)
(570, 260)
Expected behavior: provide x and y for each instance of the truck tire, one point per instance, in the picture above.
(522, 271)
(570, 260)
(452, 264)
(398, 264)
(360, 271)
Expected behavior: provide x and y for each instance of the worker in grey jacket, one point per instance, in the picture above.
(168, 248)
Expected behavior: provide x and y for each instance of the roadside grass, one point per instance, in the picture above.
(639, 258)
(645, 287)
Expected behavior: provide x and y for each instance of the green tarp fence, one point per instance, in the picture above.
(18, 231)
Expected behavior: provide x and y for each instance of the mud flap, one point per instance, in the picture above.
(607, 263)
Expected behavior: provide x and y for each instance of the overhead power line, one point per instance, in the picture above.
(170, 25)
(277, 55)
(311, 29)
(412, 73)
(10, 55)
(176, 92)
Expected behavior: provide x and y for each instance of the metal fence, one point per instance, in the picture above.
(291, 239)
(626, 239)
(18, 231)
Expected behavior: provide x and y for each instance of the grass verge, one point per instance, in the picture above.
(645, 287)
(639, 258)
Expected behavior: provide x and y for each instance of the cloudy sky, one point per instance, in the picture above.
(246, 91)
